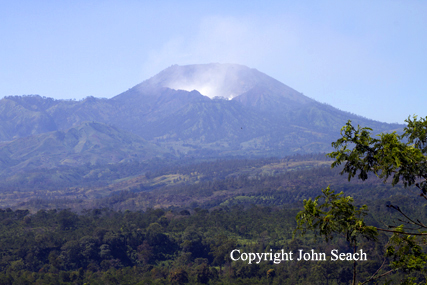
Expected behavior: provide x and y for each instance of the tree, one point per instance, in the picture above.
(401, 158)
(222, 246)
(330, 214)
(178, 276)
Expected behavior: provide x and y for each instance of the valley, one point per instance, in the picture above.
(166, 178)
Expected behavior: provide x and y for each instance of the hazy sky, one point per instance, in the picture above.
(365, 57)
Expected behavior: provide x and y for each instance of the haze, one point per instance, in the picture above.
(364, 57)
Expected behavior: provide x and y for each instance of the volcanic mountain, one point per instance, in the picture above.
(204, 110)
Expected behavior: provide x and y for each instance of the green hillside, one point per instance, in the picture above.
(90, 143)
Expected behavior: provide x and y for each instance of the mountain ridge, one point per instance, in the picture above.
(90, 142)
(95, 146)
(264, 117)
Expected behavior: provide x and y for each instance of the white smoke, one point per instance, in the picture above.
(212, 80)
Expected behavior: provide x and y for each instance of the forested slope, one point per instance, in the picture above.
(101, 246)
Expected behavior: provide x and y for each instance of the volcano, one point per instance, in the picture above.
(202, 110)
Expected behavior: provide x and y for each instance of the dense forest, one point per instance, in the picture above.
(103, 246)
(178, 224)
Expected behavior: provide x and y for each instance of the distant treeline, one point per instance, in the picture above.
(89, 182)
(89, 175)
(224, 187)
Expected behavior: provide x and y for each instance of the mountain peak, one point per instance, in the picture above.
(217, 81)
(212, 80)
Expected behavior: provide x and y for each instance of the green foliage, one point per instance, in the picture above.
(330, 214)
(336, 215)
(406, 252)
(108, 247)
(403, 158)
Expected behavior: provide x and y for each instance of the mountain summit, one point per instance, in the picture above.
(221, 80)
(179, 110)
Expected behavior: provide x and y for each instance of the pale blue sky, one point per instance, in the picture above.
(365, 57)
